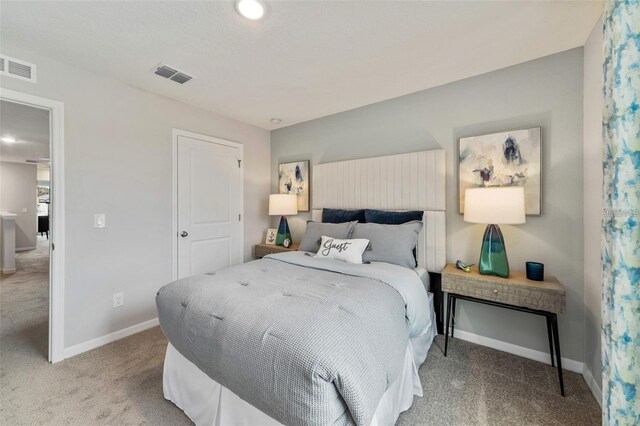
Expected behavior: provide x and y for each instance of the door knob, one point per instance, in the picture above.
(184, 234)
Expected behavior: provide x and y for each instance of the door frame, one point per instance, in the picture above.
(57, 226)
(176, 133)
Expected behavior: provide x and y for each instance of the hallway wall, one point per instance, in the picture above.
(18, 191)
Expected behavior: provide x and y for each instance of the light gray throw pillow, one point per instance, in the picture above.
(315, 231)
(389, 243)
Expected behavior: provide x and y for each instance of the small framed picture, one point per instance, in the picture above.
(271, 236)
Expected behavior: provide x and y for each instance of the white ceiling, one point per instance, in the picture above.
(27, 124)
(305, 59)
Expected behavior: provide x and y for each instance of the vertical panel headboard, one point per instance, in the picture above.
(413, 181)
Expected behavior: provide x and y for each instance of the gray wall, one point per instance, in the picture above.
(593, 182)
(545, 92)
(18, 191)
(118, 162)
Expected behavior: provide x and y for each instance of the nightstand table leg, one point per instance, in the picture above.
(453, 315)
(446, 327)
(556, 339)
(550, 334)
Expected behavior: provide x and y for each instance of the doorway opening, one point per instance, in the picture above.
(31, 227)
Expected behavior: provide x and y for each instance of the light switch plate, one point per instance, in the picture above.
(99, 220)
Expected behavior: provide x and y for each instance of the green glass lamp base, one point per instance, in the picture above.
(493, 256)
(283, 231)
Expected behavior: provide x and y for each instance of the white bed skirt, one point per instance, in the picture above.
(207, 403)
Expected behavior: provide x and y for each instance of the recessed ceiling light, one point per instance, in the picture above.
(9, 139)
(250, 9)
(276, 121)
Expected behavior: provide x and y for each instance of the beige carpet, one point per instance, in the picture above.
(121, 383)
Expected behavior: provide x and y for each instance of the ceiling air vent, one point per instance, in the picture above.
(16, 68)
(171, 73)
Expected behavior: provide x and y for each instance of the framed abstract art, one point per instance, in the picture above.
(509, 158)
(293, 178)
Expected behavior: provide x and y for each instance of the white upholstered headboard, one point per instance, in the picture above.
(413, 181)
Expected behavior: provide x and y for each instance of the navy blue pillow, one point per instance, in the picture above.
(391, 218)
(342, 216)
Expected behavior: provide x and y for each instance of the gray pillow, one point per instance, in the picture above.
(315, 231)
(389, 243)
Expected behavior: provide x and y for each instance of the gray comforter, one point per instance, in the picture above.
(306, 340)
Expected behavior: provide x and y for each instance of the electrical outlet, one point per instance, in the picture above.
(118, 300)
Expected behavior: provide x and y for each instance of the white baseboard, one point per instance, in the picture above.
(568, 364)
(9, 271)
(593, 385)
(111, 337)
(25, 248)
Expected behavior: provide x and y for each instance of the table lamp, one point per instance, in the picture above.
(493, 206)
(282, 205)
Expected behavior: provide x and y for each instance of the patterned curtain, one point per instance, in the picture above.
(621, 229)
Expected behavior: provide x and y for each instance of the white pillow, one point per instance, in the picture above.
(346, 250)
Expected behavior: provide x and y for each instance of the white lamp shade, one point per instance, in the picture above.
(498, 205)
(283, 204)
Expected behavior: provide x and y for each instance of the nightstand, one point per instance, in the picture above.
(546, 298)
(264, 249)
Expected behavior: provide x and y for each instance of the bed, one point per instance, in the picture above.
(294, 339)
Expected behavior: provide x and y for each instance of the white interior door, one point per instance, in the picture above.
(209, 201)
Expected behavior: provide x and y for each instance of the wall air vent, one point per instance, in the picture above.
(171, 73)
(16, 68)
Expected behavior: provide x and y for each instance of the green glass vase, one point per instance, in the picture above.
(493, 256)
